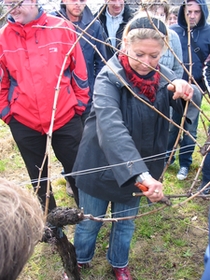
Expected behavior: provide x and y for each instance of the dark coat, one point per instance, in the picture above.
(201, 37)
(92, 58)
(123, 132)
(127, 15)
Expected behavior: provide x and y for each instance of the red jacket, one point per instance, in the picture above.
(31, 58)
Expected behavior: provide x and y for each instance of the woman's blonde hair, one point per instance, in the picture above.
(21, 227)
(142, 27)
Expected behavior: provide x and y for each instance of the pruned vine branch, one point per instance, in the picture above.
(81, 35)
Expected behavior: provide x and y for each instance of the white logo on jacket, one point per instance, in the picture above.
(53, 50)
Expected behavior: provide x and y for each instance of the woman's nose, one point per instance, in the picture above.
(146, 60)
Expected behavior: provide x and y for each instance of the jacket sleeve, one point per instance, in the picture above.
(177, 48)
(101, 48)
(79, 78)
(113, 136)
(206, 74)
(4, 94)
(206, 272)
(192, 112)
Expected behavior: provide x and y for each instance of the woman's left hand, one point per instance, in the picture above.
(181, 89)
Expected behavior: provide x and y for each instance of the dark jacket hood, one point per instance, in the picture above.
(203, 21)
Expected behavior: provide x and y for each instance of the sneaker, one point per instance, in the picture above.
(182, 174)
(68, 186)
(206, 191)
(69, 189)
(121, 273)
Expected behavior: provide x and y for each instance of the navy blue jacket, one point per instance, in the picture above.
(201, 36)
(92, 58)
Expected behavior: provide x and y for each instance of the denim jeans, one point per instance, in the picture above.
(121, 232)
(187, 145)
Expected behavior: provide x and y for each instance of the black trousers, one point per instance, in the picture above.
(32, 146)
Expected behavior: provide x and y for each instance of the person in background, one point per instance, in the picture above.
(32, 60)
(160, 8)
(21, 227)
(113, 19)
(206, 148)
(206, 272)
(206, 170)
(196, 12)
(206, 173)
(120, 133)
(79, 13)
(173, 15)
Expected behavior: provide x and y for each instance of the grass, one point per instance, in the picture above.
(167, 245)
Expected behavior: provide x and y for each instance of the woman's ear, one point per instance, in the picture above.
(125, 43)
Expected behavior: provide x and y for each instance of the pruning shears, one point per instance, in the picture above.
(143, 188)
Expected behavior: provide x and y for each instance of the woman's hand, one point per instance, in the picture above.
(155, 189)
(181, 89)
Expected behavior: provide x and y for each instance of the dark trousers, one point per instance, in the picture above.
(206, 169)
(32, 146)
(187, 145)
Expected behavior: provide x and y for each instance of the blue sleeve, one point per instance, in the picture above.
(206, 273)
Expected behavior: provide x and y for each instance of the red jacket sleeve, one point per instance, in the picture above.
(4, 94)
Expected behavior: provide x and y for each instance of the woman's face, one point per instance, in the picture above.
(147, 51)
(172, 19)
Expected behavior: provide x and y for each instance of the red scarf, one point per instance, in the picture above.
(147, 86)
